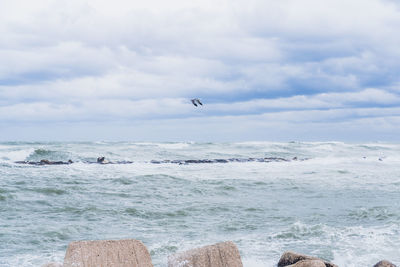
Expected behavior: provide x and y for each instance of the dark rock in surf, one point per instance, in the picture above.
(221, 160)
(239, 160)
(192, 161)
(289, 258)
(270, 159)
(45, 162)
(102, 160)
(124, 162)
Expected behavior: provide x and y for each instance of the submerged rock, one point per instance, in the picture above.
(127, 252)
(384, 263)
(289, 258)
(270, 159)
(218, 255)
(221, 160)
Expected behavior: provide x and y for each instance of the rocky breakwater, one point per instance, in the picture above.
(133, 253)
(103, 160)
(202, 161)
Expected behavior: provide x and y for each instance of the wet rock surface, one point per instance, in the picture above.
(290, 258)
(384, 263)
(218, 255)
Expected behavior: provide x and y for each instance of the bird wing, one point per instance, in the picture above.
(194, 102)
(198, 101)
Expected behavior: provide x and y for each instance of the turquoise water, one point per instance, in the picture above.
(337, 201)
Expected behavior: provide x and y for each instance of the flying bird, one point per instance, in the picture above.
(196, 101)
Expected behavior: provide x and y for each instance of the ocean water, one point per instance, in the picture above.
(337, 201)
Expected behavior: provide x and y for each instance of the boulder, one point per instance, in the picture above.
(384, 263)
(224, 254)
(102, 253)
(288, 258)
(52, 264)
(308, 263)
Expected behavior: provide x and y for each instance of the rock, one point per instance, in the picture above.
(121, 253)
(308, 263)
(52, 264)
(192, 161)
(288, 258)
(45, 162)
(221, 160)
(384, 263)
(219, 255)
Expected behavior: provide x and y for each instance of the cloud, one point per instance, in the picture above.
(338, 106)
(100, 61)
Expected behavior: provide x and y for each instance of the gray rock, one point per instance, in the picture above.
(308, 263)
(219, 255)
(384, 263)
(121, 253)
(289, 258)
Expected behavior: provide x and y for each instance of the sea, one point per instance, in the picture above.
(338, 201)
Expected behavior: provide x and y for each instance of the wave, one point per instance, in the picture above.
(7, 155)
(373, 214)
(13, 154)
(50, 191)
(40, 153)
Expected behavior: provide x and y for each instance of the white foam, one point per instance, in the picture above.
(16, 155)
(173, 145)
(30, 260)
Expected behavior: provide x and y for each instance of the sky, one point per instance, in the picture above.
(266, 70)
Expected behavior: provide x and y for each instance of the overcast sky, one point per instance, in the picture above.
(268, 70)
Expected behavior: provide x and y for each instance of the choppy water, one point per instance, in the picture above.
(342, 203)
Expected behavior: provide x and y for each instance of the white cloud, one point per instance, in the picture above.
(134, 60)
(329, 101)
